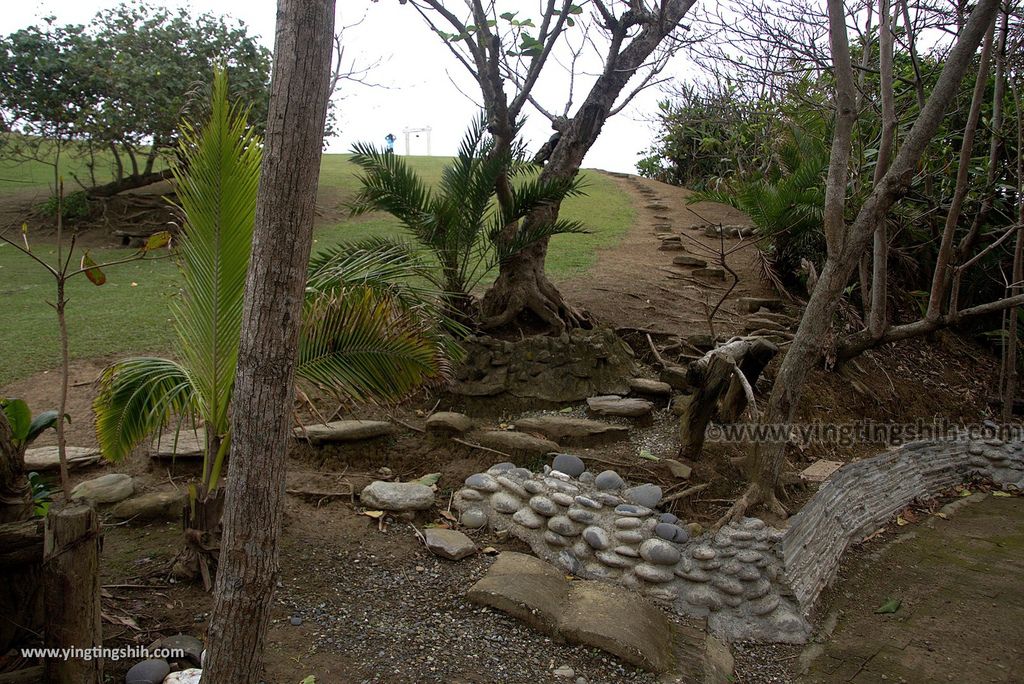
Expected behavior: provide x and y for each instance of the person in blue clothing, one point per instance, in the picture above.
(389, 141)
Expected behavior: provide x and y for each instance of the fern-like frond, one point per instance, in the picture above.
(138, 398)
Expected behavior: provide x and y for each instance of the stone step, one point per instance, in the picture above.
(650, 388)
(754, 304)
(657, 207)
(186, 444)
(689, 261)
(515, 443)
(341, 431)
(46, 458)
(569, 431)
(613, 405)
(710, 272)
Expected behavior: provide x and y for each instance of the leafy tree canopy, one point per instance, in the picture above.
(120, 85)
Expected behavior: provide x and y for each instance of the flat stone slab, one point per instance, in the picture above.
(754, 304)
(187, 444)
(341, 431)
(611, 618)
(161, 505)
(105, 489)
(510, 441)
(651, 388)
(671, 246)
(689, 261)
(47, 458)
(397, 496)
(448, 544)
(448, 422)
(820, 470)
(569, 431)
(526, 588)
(612, 405)
(763, 323)
(710, 272)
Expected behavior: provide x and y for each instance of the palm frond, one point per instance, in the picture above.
(217, 181)
(362, 344)
(138, 398)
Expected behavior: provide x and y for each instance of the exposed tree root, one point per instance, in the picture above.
(755, 495)
(511, 297)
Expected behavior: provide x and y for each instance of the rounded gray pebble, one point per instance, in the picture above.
(633, 511)
(483, 482)
(528, 519)
(473, 518)
(587, 502)
(659, 552)
(505, 503)
(672, 533)
(597, 537)
(562, 499)
(643, 495)
(628, 523)
(543, 505)
(582, 515)
(609, 480)
(151, 671)
(564, 526)
(573, 466)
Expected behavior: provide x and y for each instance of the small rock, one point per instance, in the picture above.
(47, 458)
(190, 676)
(689, 261)
(647, 495)
(482, 482)
(510, 441)
(528, 519)
(544, 506)
(449, 544)
(668, 518)
(341, 431)
(753, 304)
(448, 422)
(190, 647)
(659, 552)
(572, 466)
(633, 511)
(671, 532)
(652, 388)
(597, 537)
(397, 496)
(678, 469)
(609, 480)
(161, 505)
(109, 488)
(613, 405)
(565, 671)
(569, 431)
(148, 672)
(473, 518)
(296, 620)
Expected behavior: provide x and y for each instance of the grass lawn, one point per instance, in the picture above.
(130, 313)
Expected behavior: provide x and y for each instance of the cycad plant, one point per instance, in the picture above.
(463, 222)
(786, 206)
(367, 333)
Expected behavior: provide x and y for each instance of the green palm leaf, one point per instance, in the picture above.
(138, 398)
(363, 344)
(217, 180)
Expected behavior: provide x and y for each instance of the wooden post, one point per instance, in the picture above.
(71, 585)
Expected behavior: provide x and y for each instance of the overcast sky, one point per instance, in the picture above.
(418, 72)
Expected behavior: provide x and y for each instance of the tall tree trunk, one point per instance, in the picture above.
(522, 285)
(846, 244)
(264, 387)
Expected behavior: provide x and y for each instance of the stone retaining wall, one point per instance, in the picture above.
(750, 580)
(571, 367)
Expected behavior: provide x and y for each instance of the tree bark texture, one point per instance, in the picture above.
(846, 244)
(522, 284)
(21, 564)
(71, 590)
(264, 387)
(15, 502)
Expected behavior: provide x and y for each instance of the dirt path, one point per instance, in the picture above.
(961, 618)
(635, 284)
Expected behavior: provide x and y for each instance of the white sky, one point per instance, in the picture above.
(418, 71)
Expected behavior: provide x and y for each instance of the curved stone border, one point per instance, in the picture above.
(750, 580)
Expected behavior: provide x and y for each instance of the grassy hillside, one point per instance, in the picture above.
(130, 314)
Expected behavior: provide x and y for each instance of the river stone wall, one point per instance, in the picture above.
(750, 580)
(570, 367)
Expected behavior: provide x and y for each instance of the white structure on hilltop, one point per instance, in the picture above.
(418, 134)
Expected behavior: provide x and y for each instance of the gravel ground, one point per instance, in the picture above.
(407, 620)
